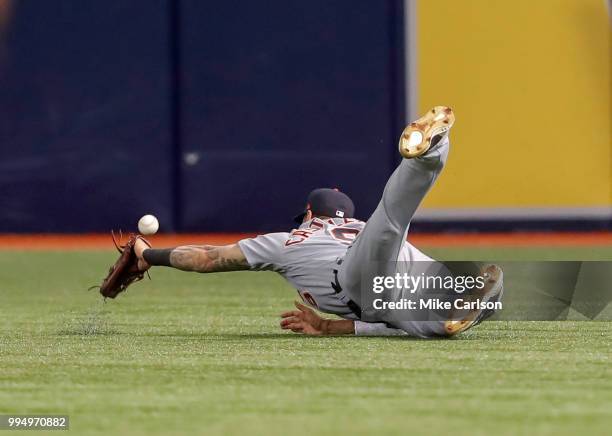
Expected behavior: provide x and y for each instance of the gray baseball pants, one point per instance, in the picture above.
(376, 249)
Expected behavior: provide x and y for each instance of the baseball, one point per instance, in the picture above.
(148, 225)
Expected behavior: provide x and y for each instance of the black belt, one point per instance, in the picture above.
(350, 303)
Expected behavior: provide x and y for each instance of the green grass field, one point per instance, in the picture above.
(194, 354)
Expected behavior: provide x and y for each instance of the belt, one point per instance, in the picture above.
(350, 303)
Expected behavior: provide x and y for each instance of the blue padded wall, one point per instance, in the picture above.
(84, 131)
(213, 115)
(280, 97)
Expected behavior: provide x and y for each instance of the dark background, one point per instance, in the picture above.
(214, 116)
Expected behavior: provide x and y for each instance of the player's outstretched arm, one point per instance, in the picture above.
(307, 321)
(197, 258)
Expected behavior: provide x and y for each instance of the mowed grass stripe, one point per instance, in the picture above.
(186, 353)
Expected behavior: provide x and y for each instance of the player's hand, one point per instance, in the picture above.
(139, 247)
(304, 320)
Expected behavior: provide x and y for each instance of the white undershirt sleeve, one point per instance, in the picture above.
(363, 328)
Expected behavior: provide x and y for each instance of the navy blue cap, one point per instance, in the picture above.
(328, 202)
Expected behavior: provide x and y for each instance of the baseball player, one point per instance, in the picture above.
(331, 257)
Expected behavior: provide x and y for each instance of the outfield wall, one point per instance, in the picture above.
(214, 116)
(222, 116)
(530, 84)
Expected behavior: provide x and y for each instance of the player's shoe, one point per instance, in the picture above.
(420, 135)
(492, 291)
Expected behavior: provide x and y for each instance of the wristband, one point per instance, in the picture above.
(157, 257)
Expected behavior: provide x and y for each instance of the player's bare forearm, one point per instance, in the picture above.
(197, 258)
(339, 327)
(208, 258)
(307, 321)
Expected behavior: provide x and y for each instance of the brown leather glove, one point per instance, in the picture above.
(125, 270)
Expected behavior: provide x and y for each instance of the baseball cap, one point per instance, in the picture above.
(328, 202)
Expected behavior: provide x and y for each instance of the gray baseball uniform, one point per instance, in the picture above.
(307, 256)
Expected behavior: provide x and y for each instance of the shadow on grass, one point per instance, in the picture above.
(239, 337)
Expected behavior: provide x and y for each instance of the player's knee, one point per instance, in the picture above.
(388, 238)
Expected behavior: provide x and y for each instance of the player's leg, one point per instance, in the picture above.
(492, 292)
(376, 250)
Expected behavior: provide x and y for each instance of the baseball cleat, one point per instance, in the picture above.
(491, 292)
(419, 136)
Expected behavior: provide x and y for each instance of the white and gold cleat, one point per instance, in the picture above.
(492, 291)
(420, 135)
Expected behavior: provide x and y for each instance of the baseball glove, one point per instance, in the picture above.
(125, 270)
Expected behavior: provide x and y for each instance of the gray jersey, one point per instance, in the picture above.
(306, 257)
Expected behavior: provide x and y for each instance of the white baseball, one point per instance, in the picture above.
(148, 225)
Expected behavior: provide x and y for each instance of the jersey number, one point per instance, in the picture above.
(344, 235)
